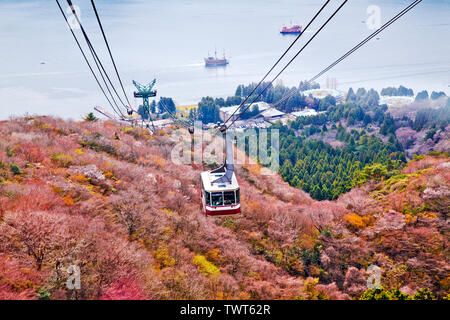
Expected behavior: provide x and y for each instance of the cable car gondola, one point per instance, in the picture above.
(218, 198)
(220, 188)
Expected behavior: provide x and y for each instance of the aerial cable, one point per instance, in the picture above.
(393, 76)
(174, 117)
(104, 81)
(257, 115)
(279, 59)
(151, 120)
(359, 45)
(95, 56)
(86, 59)
(109, 50)
(293, 58)
(97, 59)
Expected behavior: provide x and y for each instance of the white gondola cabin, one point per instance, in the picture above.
(220, 188)
(220, 198)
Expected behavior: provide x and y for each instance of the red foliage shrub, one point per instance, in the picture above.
(33, 153)
(33, 196)
(17, 281)
(124, 289)
(355, 282)
(331, 291)
(38, 234)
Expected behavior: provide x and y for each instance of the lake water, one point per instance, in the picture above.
(168, 39)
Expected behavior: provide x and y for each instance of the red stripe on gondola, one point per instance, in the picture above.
(226, 205)
(223, 212)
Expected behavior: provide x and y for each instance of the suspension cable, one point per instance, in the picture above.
(86, 59)
(95, 56)
(174, 117)
(104, 80)
(109, 50)
(293, 58)
(279, 59)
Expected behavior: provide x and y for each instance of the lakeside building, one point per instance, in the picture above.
(265, 119)
(162, 123)
(322, 93)
(272, 114)
(307, 112)
(241, 125)
(226, 112)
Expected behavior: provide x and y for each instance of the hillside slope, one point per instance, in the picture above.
(108, 200)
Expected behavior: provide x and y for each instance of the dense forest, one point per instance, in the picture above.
(326, 172)
(429, 118)
(423, 95)
(400, 91)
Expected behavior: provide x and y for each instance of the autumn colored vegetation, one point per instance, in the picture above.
(108, 200)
